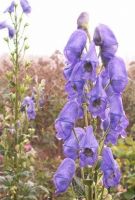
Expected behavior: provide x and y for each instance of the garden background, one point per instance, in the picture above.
(42, 152)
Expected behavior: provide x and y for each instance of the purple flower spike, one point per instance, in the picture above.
(75, 46)
(110, 168)
(89, 148)
(11, 8)
(64, 174)
(97, 99)
(118, 74)
(118, 120)
(71, 145)
(25, 6)
(66, 119)
(28, 102)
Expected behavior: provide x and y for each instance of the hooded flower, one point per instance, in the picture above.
(105, 38)
(11, 8)
(74, 86)
(118, 120)
(74, 89)
(97, 99)
(71, 146)
(75, 46)
(115, 120)
(88, 147)
(28, 102)
(25, 6)
(105, 123)
(64, 174)
(118, 74)
(68, 71)
(85, 69)
(77, 72)
(11, 31)
(113, 136)
(66, 119)
(89, 64)
(110, 168)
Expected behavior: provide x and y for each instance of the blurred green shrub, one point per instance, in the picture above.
(125, 153)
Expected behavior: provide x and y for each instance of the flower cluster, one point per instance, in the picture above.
(29, 104)
(94, 92)
(26, 8)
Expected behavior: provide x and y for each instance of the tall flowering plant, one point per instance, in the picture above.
(17, 177)
(94, 95)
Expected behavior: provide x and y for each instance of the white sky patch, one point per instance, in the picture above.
(52, 22)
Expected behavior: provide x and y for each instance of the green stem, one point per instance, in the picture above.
(85, 114)
(16, 105)
(102, 193)
(89, 193)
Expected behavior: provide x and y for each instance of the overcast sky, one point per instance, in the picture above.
(52, 22)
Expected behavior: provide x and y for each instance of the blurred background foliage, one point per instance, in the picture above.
(48, 148)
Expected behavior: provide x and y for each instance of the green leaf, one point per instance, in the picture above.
(2, 150)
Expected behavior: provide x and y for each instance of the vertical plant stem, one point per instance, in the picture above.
(16, 105)
(101, 197)
(16, 85)
(85, 114)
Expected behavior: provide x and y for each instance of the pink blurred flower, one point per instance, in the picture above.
(27, 147)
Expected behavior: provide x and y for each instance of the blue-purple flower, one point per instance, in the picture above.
(90, 63)
(25, 6)
(75, 84)
(105, 38)
(115, 121)
(66, 119)
(110, 169)
(64, 174)
(68, 70)
(29, 104)
(97, 99)
(75, 46)
(118, 74)
(113, 136)
(75, 90)
(118, 120)
(71, 145)
(11, 30)
(89, 148)
(11, 8)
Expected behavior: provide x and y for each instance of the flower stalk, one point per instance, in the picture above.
(98, 94)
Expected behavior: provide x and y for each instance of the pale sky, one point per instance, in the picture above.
(52, 22)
